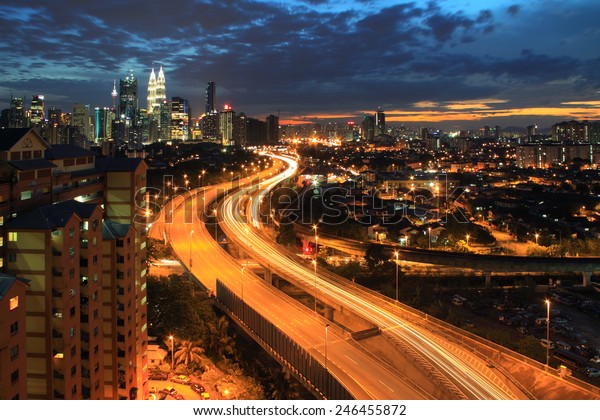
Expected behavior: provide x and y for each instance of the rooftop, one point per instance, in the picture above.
(66, 151)
(52, 216)
(10, 136)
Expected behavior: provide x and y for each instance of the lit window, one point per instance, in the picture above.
(14, 303)
(12, 236)
(1, 241)
(26, 195)
(1, 220)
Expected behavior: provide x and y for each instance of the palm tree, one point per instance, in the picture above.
(188, 352)
(220, 341)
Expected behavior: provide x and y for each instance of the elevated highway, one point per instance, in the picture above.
(485, 263)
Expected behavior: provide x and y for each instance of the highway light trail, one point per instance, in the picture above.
(470, 381)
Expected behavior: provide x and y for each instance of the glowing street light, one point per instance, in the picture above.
(537, 235)
(548, 335)
(468, 236)
(315, 266)
(396, 254)
(429, 230)
(315, 227)
(215, 212)
(172, 351)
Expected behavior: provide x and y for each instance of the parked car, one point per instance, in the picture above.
(563, 346)
(595, 359)
(168, 391)
(469, 323)
(197, 388)
(178, 397)
(157, 375)
(181, 379)
(153, 390)
(592, 372)
(547, 343)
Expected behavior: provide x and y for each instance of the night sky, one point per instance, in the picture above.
(447, 63)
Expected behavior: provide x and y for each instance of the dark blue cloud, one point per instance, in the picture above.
(300, 57)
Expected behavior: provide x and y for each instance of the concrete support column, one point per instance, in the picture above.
(488, 279)
(268, 275)
(328, 312)
(587, 277)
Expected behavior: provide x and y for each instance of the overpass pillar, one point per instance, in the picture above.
(488, 279)
(587, 277)
(268, 275)
(328, 312)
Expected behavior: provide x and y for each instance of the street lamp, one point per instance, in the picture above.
(548, 336)
(326, 328)
(537, 235)
(406, 241)
(315, 265)
(190, 241)
(468, 236)
(429, 230)
(203, 172)
(215, 212)
(172, 347)
(315, 227)
(396, 254)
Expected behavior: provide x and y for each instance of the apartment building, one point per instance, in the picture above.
(13, 363)
(55, 205)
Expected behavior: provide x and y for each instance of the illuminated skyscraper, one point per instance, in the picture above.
(211, 97)
(180, 119)
(379, 122)
(128, 97)
(226, 121)
(37, 109)
(114, 94)
(151, 103)
(157, 92)
(161, 87)
(103, 124)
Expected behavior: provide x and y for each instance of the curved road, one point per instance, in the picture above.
(470, 382)
(358, 371)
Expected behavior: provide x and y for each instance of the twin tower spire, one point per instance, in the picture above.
(157, 91)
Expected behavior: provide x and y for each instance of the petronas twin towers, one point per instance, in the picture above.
(157, 91)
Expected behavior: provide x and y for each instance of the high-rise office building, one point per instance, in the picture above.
(379, 122)
(17, 114)
(36, 112)
(368, 128)
(161, 87)
(103, 122)
(211, 98)
(157, 92)
(226, 123)
(55, 116)
(81, 119)
(180, 119)
(151, 98)
(128, 97)
(272, 129)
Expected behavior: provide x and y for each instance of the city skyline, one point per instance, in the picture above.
(448, 63)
